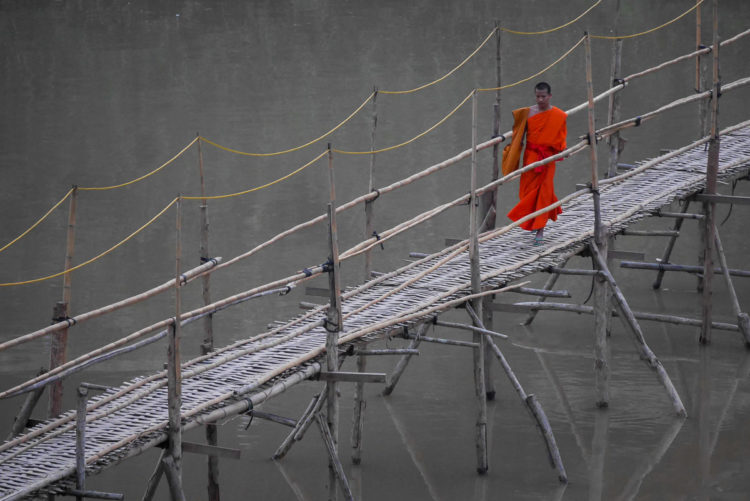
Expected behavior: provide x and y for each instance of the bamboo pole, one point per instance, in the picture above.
(22, 418)
(592, 139)
(333, 458)
(531, 402)
(334, 325)
(173, 461)
(476, 287)
(670, 245)
(630, 320)
(207, 346)
(287, 443)
(743, 321)
(712, 167)
(548, 285)
(81, 441)
(601, 341)
(59, 346)
(404, 361)
(614, 141)
(358, 414)
(153, 481)
(369, 216)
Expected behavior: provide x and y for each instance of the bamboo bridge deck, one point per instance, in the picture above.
(126, 420)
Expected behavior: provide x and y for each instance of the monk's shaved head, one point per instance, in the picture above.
(544, 87)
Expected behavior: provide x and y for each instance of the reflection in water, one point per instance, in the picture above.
(598, 455)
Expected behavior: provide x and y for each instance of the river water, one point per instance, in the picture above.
(99, 93)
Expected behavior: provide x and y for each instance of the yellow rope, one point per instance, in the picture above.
(567, 53)
(552, 29)
(216, 197)
(111, 249)
(618, 37)
(389, 148)
(103, 188)
(296, 148)
(19, 237)
(447, 74)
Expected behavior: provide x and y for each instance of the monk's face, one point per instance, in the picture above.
(542, 99)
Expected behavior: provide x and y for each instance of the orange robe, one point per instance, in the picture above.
(545, 136)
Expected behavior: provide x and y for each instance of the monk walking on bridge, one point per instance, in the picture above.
(545, 127)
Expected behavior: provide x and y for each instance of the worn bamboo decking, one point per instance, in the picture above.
(126, 420)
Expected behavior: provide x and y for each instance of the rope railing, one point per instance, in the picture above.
(657, 28)
(544, 32)
(39, 221)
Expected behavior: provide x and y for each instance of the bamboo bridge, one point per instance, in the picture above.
(55, 456)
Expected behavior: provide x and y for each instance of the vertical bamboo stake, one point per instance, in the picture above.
(333, 325)
(712, 168)
(476, 287)
(369, 225)
(592, 144)
(359, 388)
(701, 76)
(601, 343)
(174, 376)
(615, 142)
(490, 214)
(81, 441)
(207, 346)
(359, 413)
(59, 346)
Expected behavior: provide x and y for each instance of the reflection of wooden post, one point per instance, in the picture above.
(334, 324)
(208, 336)
(712, 169)
(476, 287)
(59, 346)
(173, 460)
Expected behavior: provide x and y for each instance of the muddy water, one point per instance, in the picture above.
(95, 94)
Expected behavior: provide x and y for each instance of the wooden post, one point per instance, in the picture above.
(548, 285)
(592, 144)
(81, 441)
(709, 208)
(334, 325)
(153, 481)
(212, 434)
(369, 224)
(404, 360)
(59, 346)
(173, 460)
(601, 343)
(19, 423)
(359, 388)
(616, 143)
(333, 460)
(476, 287)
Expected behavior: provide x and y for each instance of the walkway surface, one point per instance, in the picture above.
(126, 420)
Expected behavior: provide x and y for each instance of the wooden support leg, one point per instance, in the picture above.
(630, 321)
(547, 286)
(601, 342)
(213, 464)
(358, 416)
(303, 424)
(333, 457)
(743, 321)
(531, 402)
(19, 423)
(487, 318)
(153, 481)
(403, 362)
(670, 246)
(173, 478)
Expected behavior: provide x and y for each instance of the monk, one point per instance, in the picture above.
(546, 130)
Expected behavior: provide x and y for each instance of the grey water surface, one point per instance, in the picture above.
(98, 93)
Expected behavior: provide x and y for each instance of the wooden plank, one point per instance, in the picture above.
(210, 450)
(722, 199)
(352, 377)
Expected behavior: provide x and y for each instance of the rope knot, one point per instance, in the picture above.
(377, 238)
